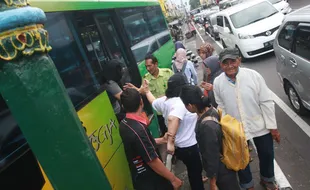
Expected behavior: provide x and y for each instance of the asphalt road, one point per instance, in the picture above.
(292, 154)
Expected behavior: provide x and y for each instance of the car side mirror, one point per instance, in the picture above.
(227, 30)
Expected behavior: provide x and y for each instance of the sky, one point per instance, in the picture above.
(178, 2)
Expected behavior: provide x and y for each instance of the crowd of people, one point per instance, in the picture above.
(182, 106)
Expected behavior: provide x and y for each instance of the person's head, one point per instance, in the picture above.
(180, 55)
(230, 61)
(151, 64)
(175, 84)
(131, 100)
(205, 50)
(178, 45)
(194, 100)
(112, 71)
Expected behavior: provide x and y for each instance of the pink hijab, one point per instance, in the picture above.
(181, 58)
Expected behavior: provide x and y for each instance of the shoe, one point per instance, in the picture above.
(269, 185)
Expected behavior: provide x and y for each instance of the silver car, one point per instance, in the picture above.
(292, 50)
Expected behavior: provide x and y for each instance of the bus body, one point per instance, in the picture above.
(85, 35)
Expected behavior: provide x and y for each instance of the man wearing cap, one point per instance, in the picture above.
(181, 127)
(243, 94)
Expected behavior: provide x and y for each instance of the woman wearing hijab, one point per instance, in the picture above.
(190, 55)
(181, 64)
(211, 69)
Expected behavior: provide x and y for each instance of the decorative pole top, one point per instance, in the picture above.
(21, 30)
(8, 4)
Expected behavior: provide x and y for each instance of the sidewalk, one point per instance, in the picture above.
(180, 171)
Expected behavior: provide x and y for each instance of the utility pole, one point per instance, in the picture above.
(37, 98)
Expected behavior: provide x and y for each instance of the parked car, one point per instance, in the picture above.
(292, 50)
(250, 26)
(150, 45)
(213, 29)
(228, 3)
(281, 5)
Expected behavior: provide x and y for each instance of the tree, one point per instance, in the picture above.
(194, 4)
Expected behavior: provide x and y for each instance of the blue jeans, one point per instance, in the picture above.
(265, 151)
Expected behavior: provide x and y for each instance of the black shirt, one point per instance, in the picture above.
(209, 137)
(140, 149)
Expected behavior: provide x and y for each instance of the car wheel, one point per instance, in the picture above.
(295, 100)
(223, 43)
(243, 59)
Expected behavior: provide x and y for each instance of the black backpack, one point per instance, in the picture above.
(175, 70)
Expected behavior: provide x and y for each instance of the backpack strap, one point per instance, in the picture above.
(184, 67)
(210, 118)
(182, 70)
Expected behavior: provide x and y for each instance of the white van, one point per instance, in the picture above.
(250, 26)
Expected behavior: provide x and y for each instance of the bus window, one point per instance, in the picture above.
(141, 30)
(76, 75)
(156, 19)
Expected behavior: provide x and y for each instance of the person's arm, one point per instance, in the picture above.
(266, 103)
(194, 73)
(210, 150)
(177, 113)
(150, 97)
(118, 95)
(147, 151)
(267, 107)
(158, 166)
(173, 126)
(217, 96)
(114, 89)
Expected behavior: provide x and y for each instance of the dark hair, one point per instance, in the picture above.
(193, 95)
(150, 56)
(112, 71)
(130, 100)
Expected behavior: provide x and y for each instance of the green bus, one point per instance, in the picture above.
(85, 35)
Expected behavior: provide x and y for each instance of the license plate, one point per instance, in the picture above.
(267, 44)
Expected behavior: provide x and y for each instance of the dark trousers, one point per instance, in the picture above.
(227, 179)
(162, 125)
(265, 151)
(190, 156)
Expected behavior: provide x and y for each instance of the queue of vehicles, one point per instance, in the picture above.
(257, 27)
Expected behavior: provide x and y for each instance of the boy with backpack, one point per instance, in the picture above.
(209, 135)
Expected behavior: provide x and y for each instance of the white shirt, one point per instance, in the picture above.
(249, 100)
(185, 136)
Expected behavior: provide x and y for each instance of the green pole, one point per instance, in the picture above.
(37, 98)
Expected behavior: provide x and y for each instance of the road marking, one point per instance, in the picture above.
(279, 175)
(298, 120)
(199, 34)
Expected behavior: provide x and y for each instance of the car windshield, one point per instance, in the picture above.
(252, 14)
(140, 53)
(274, 1)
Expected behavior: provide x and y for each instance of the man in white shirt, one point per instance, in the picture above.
(243, 94)
(181, 128)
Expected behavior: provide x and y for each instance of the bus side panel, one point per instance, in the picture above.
(102, 128)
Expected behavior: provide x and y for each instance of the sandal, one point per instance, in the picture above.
(204, 179)
(269, 185)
